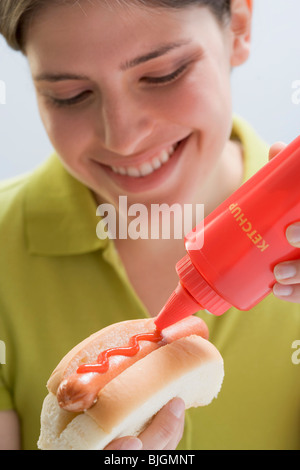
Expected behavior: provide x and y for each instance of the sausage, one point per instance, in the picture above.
(78, 391)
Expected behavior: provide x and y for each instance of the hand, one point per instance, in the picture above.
(287, 274)
(163, 433)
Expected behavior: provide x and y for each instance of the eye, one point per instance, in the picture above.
(70, 101)
(166, 78)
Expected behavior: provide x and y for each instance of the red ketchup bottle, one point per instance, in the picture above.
(244, 239)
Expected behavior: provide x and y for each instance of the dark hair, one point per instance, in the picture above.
(220, 8)
(15, 15)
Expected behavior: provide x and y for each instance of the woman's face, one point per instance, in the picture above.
(136, 101)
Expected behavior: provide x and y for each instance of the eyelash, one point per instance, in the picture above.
(70, 101)
(164, 80)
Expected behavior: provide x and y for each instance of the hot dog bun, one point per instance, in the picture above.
(189, 367)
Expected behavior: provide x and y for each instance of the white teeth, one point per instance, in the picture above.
(134, 172)
(172, 149)
(146, 168)
(165, 157)
(156, 163)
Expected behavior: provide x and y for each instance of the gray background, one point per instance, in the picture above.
(262, 89)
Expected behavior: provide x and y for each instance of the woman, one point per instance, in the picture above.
(135, 97)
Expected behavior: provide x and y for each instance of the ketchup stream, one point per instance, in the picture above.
(102, 364)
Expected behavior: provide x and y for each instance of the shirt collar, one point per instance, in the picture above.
(255, 150)
(60, 213)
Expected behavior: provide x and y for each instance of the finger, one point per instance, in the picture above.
(275, 149)
(173, 443)
(125, 443)
(289, 293)
(166, 427)
(293, 234)
(288, 272)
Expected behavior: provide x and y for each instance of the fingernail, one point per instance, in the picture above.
(285, 271)
(293, 234)
(133, 443)
(283, 291)
(177, 407)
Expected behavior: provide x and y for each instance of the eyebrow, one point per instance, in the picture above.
(160, 51)
(59, 77)
(163, 49)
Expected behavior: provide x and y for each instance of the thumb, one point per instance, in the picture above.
(125, 443)
(275, 149)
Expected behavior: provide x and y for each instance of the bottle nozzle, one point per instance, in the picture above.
(180, 305)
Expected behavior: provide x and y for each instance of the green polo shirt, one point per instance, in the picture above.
(59, 283)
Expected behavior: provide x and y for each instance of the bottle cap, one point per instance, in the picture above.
(192, 294)
(199, 288)
(180, 305)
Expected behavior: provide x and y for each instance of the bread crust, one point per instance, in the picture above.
(147, 377)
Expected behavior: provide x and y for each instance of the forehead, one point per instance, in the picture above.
(75, 34)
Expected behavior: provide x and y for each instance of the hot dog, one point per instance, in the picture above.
(98, 393)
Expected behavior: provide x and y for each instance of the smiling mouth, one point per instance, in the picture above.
(145, 169)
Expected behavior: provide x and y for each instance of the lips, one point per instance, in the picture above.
(149, 167)
(147, 175)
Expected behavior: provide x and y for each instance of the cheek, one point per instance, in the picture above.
(69, 135)
(200, 102)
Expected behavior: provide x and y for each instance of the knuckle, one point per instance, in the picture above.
(169, 427)
(166, 432)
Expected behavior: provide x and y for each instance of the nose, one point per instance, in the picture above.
(126, 123)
